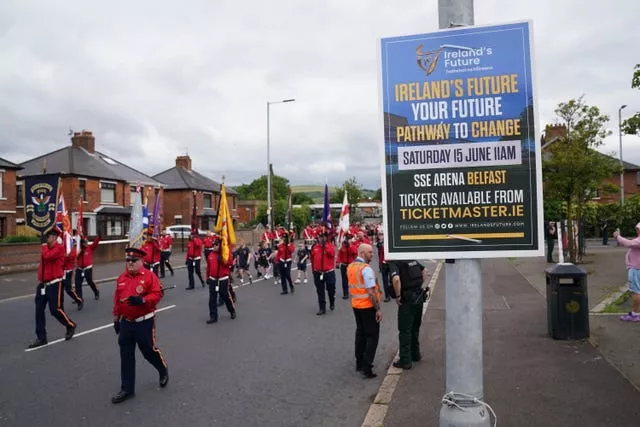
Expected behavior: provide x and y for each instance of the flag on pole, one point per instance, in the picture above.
(156, 215)
(289, 211)
(343, 225)
(79, 225)
(194, 217)
(145, 214)
(63, 224)
(326, 211)
(224, 226)
(136, 221)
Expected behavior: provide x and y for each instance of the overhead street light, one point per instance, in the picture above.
(269, 216)
(621, 164)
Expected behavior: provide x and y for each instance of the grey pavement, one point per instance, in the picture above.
(277, 364)
(529, 378)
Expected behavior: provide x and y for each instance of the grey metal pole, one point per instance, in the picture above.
(268, 171)
(463, 303)
(621, 164)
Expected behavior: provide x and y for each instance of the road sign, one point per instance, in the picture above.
(462, 170)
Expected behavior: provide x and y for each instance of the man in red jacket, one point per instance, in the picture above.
(347, 253)
(166, 242)
(69, 265)
(218, 281)
(151, 248)
(194, 254)
(324, 276)
(283, 258)
(85, 267)
(137, 293)
(49, 290)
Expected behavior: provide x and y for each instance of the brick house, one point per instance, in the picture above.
(631, 172)
(181, 182)
(8, 196)
(248, 210)
(104, 185)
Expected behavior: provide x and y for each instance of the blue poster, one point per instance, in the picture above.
(41, 193)
(462, 171)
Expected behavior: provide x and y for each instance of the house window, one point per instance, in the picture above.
(1, 183)
(637, 178)
(83, 190)
(233, 203)
(206, 200)
(132, 191)
(107, 192)
(177, 219)
(19, 194)
(3, 227)
(113, 225)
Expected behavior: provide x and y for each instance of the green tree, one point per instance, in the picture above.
(353, 189)
(574, 170)
(378, 194)
(279, 213)
(301, 217)
(301, 199)
(257, 189)
(631, 126)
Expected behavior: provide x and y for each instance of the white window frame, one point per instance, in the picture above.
(20, 184)
(212, 199)
(2, 171)
(115, 185)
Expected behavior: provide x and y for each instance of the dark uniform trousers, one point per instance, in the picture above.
(53, 297)
(345, 282)
(164, 261)
(82, 274)
(144, 334)
(285, 275)
(68, 288)
(193, 266)
(367, 334)
(152, 267)
(409, 321)
(384, 272)
(327, 281)
(219, 287)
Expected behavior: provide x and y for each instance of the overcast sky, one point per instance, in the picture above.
(156, 78)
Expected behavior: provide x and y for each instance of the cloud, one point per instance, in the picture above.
(156, 79)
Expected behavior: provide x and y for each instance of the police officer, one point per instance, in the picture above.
(407, 278)
(137, 293)
(49, 290)
(324, 276)
(218, 281)
(365, 301)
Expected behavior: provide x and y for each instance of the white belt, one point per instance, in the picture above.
(320, 271)
(68, 271)
(142, 318)
(286, 260)
(52, 282)
(222, 278)
(165, 250)
(194, 259)
(86, 268)
(153, 263)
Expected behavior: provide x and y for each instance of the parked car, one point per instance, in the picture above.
(183, 231)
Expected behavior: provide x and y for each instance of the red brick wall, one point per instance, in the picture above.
(9, 193)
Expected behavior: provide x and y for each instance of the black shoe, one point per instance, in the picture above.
(368, 373)
(387, 299)
(402, 365)
(38, 343)
(284, 293)
(359, 366)
(189, 288)
(97, 295)
(212, 320)
(293, 289)
(202, 283)
(321, 312)
(332, 306)
(164, 379)
(80, 305)
(233, 315)
(122, 396)
(70, 331)
(345, 296)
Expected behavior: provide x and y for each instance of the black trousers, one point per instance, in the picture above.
(193, 266)
(384, 272)
(219, 288)
(367, 334)
(80, 276)
(152, 267)
(285, 275)
(343, 276)
(409, 321)
(327, 281)
(52, 295)
(164, 261)
(144, 335)
(68, 288)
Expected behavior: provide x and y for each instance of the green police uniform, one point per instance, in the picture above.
(410, 310)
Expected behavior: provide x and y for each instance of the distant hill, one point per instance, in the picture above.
(316, 192)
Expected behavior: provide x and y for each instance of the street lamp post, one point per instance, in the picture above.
(621, 164)
(269, 217)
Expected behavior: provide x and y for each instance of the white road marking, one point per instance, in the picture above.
(99, 328)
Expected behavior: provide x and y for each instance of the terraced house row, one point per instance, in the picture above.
(105, 187)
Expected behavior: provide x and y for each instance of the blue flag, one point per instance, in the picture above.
(326, 210)
(41, 193)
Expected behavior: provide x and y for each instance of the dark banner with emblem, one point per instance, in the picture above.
(41, 193)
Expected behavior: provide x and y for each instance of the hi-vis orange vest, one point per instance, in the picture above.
(359, 296)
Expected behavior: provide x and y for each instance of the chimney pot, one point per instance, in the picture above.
(183, 162)
(84, 139)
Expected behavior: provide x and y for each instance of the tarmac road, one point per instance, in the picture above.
(277, 364)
